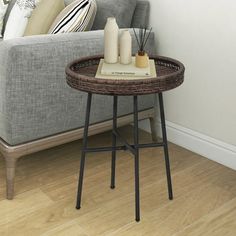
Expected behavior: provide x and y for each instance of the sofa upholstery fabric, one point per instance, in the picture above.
(141, 15)
(122, 10)
(35, 100)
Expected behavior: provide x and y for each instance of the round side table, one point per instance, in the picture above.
(80, 75)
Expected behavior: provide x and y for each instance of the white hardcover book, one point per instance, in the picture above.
(124, 70)
(126, 77)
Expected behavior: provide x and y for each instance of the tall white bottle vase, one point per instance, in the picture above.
(111, 37)
(125, 47)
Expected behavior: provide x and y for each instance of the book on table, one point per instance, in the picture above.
(124, 70)
(152, 74)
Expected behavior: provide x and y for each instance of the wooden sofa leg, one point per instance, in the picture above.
(153, 126)
(153, 120)
(10, 176)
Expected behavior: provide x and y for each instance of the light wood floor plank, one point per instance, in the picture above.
(97, 179)
(220, 222)
(23, 205)
(201, 187)
(94, 201)
(43, 220)
(69, 229)
(158, 213)
(180, 213)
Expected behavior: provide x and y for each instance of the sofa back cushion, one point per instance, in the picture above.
(141, 14)
(43, 17)
(122, 10)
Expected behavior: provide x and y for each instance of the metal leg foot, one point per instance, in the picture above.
(85, 141)
(164, 136)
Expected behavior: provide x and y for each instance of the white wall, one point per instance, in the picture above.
(202, 35)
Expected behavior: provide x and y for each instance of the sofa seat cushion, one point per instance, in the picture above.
(122, 10)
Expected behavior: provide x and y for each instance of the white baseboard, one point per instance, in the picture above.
(201, 144)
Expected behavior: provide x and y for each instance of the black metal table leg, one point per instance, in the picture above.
(133, 148)
(85, 141)
(113, 160)
(136, 160)
(164, 136)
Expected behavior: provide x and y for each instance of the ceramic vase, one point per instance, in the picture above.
(111, 36)
(125, 47)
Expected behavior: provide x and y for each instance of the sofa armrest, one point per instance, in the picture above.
(32, 80)
(26, 58)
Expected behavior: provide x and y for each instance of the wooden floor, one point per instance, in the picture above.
(204, 194)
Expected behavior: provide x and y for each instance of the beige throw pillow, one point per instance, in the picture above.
(43, 17)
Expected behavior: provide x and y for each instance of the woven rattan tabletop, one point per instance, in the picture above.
(80, 74)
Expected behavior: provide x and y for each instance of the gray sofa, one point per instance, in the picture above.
(38, 110)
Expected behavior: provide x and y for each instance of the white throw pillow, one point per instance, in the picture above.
(18, 18)
(3, 9)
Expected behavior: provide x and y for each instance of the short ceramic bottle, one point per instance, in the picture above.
(125, 47)
(111, 36)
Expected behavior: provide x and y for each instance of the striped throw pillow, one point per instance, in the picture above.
(3, 9)
(78, 16)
